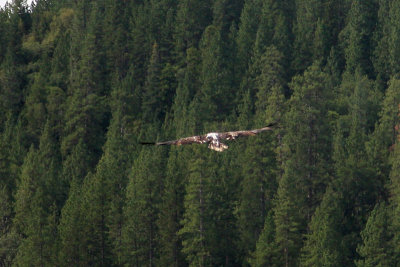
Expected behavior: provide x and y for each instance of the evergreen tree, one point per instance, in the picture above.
(192, 18)
(171, 210)
(194, 223)
(274, 29)
(10, 86)
(395, 192)
(249, 19)
(376, 249)
(71, 232)
(382, 140)
(9, 239)
(258, 186)
(355, 179)
(394, 35)
(323, 246)
(140, 233)
(305, 177)
(214, 99)
(266, 253)
(37, 196)
(152, 94)
(86, 115)
(114, 166)
(316, 30)
(358, 36)
(381, 41)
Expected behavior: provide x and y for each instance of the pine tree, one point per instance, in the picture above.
(192, 17)
(152, 94)
(258, 186)
(394, 35)
(171, 210)
(9, 239)
(86, 115)
(214, 99)
(316, 29)
(395, 193)
(37, 197)
(323, 246)
(194, 223)
(381, 41)
(306, 157)
(113, 167)
(274, 29)
(140, 238)
(358, 36)
(354, 177)
(376, 249)
(60, 34)
(266, 253)
(72, 236)
(71, 232)
(249, 19)
(382, 140)
(10, 86)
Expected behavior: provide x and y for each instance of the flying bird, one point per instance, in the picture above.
(213, 139)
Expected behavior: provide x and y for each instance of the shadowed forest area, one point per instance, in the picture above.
(82, 83)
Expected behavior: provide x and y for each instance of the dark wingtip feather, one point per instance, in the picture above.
(147, 143)
(272, 124)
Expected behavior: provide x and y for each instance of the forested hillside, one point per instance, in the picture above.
(82, 83)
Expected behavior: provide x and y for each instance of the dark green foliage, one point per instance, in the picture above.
(140, 235)
(37, 202)
(377, 249)
(358, 34)
(323, 246)
(266, 252)
(83, 83)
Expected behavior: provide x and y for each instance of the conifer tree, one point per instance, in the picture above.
(376, 249)
(214, 99)
(381, 37)
(394, 35)
(86, 115)
(315, 30)
(355, 179)
(194, 223)
(192, 18)
(114, 166)
(38, 195)
(10, 86)
(9, 239)
(382, 140)
(171, 210)
(307, 155)
(246, 34)
(266, 253)
(140, 234)
(274, 29)
(358, 36)
(395, 193)
(71, 232)
(61, 28)
(258, 186)
(323, 246)
(152, 95)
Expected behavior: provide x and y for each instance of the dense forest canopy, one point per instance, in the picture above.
(83, 82)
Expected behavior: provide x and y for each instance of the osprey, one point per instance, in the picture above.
(213, 139)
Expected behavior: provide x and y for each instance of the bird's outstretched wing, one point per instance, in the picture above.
(197, 139)
(235, 134)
